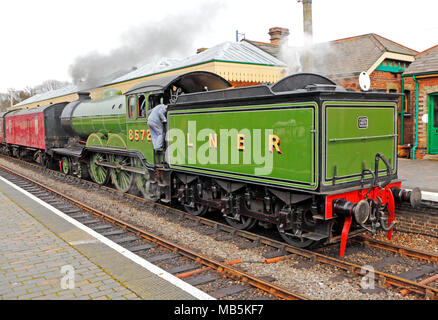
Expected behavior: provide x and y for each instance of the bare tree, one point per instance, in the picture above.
(14, 96)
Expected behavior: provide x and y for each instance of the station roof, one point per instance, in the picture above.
(343, 56)
(425, 62)
(238, 52)
(69, 89)
(34, 110)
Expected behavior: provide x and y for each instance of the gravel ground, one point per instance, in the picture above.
(314, 281)
(420, 242)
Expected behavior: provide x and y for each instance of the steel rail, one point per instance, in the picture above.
(223, 268)
(384, 279)
(402, 250)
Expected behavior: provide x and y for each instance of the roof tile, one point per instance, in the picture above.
(425, 62)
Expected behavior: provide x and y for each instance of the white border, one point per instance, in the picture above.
(195, 292)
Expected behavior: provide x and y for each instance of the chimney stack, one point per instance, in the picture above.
(199, 50)
(278, 35)
(308, 33)
(307, 21)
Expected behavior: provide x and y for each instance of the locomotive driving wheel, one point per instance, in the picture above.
(98, 173)
(122, 180)
(144, 184)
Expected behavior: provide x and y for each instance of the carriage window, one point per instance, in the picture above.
(132, 107)
(142, 108)
(36, 125)
(10, 126)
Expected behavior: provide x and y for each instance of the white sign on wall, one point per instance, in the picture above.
(425, 118)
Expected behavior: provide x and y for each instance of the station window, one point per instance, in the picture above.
(407, 101)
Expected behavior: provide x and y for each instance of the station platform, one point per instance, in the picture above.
(47, 256)
(420, 173)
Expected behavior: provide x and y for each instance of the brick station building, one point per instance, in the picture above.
(420, 85)
(343, 60)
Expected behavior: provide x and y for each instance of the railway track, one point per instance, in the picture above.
(280, 251)
(140, 240)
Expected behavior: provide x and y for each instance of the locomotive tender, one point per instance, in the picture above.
(304, 155)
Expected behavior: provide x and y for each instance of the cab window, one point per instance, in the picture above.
(132, 107)
(142, 106)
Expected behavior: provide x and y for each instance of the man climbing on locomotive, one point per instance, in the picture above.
(156, 118)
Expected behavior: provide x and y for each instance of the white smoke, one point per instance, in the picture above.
(314, 58)
(173, 36)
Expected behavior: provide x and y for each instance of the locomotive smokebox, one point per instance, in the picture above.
(413, 196)
(360, 211)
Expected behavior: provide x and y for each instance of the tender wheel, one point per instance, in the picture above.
(244, 223)
(143, 184)
(82, 172)
(292, 239)
(296, 241)
(122, 180)
(39, 157)
(196, 210)
(98, 173)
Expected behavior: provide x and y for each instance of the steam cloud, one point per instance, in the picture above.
(172, 36)
(315, 58)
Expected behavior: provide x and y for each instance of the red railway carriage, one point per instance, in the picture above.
(24, 128)
(32, 131)
(2, 128)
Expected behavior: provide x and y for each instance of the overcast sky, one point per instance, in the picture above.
(41, 39)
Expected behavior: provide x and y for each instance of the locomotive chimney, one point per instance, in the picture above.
(278, 35)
